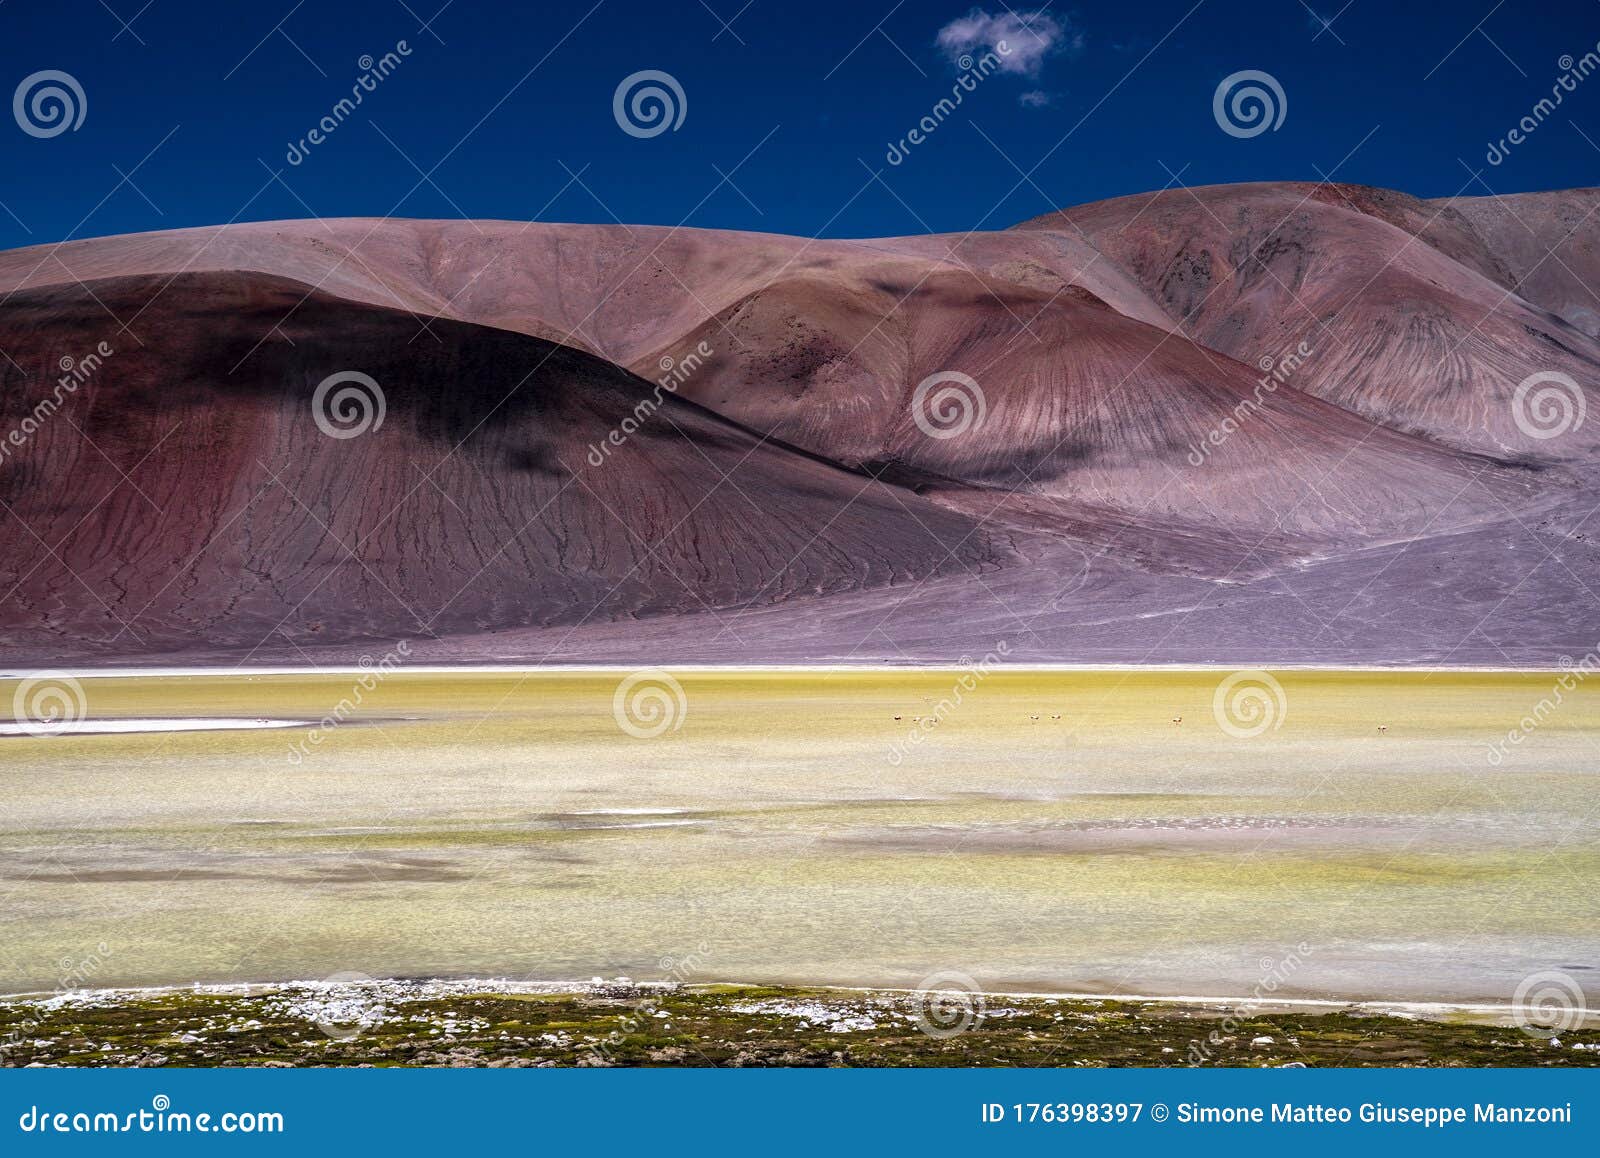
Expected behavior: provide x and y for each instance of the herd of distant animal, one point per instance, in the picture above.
(1033, 718)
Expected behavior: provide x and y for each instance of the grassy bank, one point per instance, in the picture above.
(445, 1024)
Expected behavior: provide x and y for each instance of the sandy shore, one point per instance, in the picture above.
(225, 671)
(136, 725)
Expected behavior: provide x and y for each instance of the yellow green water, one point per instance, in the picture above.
(505, 824)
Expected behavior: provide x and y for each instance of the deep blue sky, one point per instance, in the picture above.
(780, 76)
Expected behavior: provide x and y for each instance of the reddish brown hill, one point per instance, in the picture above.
(1080, 404)
(1129, 467)
(624, 292)
(1547, 244)
(185, 497)
(1413, 317)
(1090, 398)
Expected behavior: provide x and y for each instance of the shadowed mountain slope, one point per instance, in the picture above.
(1547, 246)
(184, 495)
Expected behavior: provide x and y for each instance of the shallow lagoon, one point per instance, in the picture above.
(788, 830)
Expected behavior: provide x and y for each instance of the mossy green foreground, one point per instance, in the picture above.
(445, 1024)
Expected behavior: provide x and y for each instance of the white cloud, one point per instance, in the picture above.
(1021, 40)
(1036, 99)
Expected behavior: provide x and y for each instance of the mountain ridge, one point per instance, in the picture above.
(1348, 365)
